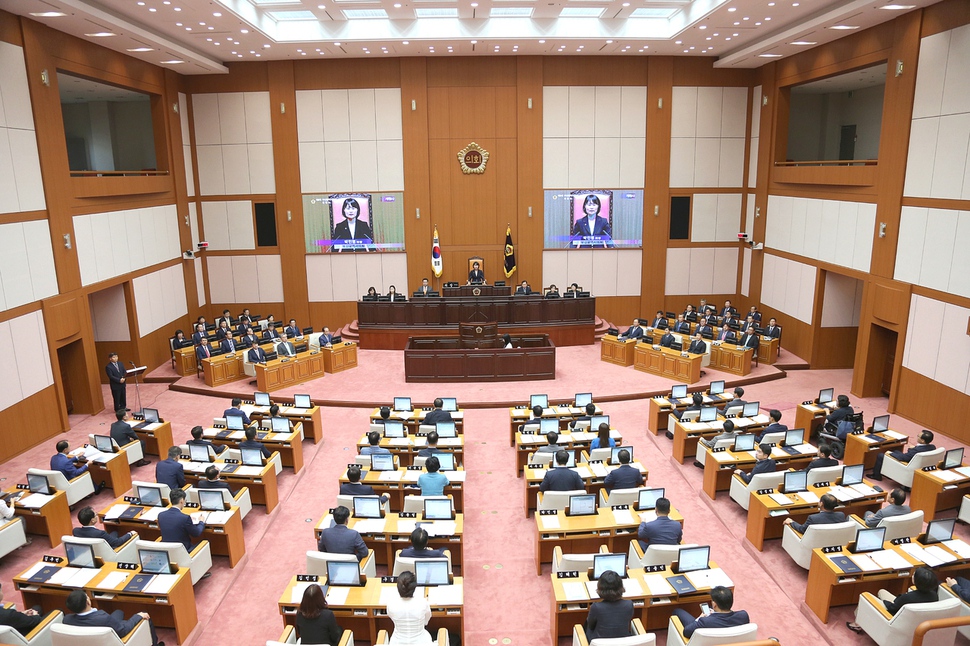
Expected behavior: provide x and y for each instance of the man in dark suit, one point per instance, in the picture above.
(663, 530)
(727, 433)
(775, 426)
(721, 615)
(122, 433)
(117, 377)
(728, 321)
(754, 313)
(551, 445)
(763, 464)
(223, 331)
(476, 276)
(79, 603)
(22, 622)
(925, 443)
(824, 459)
(681, 326)
(430, 446)
(624, 476)
(284, 348)
(704, 329)
(227, 317)
(64, 463)
(750, 340)
(697, 403)
(177, 527)
(632, 332)
(326, 338)
(438, 414)
(749, 325)
(228, 345)
(667, 339)
(169, 471)
(419, 546)
(772, 330)
(697, 346)
(270, 333)
(237, 411)
(199, 333)
(738, 400)
(897, 507)
(293, 330)
(340, 539)
(212, 481)
(424, 289)
(249, 338)
(826, 515)
(88, 520)
(659, 321)
(257, 354)
(523, 288)
(198, 440)
(561, 478)
(354, 486)
(590, 410)
(251, 443)
(203, 351)
(728, 309)
(244, 325)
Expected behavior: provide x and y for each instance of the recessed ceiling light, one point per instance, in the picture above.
(844, 27)
(141, 49)
(474, 4)
(435, 12)
(397, 5)
(188, 29)
(178, 24)
(767, 18)
(177, 8)
(542, 42)
(405, 42)
(609, 42)
(769, 55)
(174, 61)
(804, 42)
(152, 9)
(217, 14)
(243, 31)
(703, 27)
(736, 24)
(166, 2)
(474, 42)
(201, 24)
(757, 24)
(321, 6)
(728, 38)
(100, 34)
(897, 7)
(771, 4)
(732, 9)
(746, 18)
(337, 44)
(581, 12)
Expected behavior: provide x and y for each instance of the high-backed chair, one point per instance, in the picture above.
(541, 457)
(13, 534)
(556, 499)
(348, 502)
(569, 562)
(316, 562)
(709, 636)
(902, 526)
(773, 438)
(127, 553)
(638, 637)
(702, 454)
(64, 635)
(619, 497)
(603, 454)
(964, 514)
(406, 564)
(902, 472)
(76, 489)
(888, 630)
(741, 492)
(133, 451)
(242, 499)
(288, 636)
(248, 367)
(439, 639)
(824, 474)
(199, 561)
(654, 554)
(415, 504)
(166, 491)
(39, 636)
(800, 547)
(947, 593)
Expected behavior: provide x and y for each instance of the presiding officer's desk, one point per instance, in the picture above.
(309, 417)
(863, 448)
(939, 490)
(261, 481)
(667, 363)
(225, 538)
(719, 467)
(392, 533)
(593, 476)
(363, 609)
(289, 445)
(170, 600)
(767, 514)
(653, 597)
(413, 418)
(46, 515)
(405, 449)
(521, 415)
(221, 369)
(527, 442)
(688, 434)
(890, 568)
(404, 482)
(658, 415)
(157, 437)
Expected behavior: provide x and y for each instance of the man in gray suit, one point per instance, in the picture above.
(340, 539)
(894, 508)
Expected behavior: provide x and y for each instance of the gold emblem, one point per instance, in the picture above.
(472, 159)
(478, 330)
(477, 291)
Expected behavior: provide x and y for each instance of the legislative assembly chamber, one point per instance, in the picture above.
(279, 279)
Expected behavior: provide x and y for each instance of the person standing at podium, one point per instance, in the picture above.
(476, 276)
(117, 376)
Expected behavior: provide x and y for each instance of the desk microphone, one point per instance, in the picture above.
(132, 363)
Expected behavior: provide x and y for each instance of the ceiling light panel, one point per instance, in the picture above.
(291, 15)
(654, 12)
(581, 12)
(436, 12)
(509, 12)
(357, 14)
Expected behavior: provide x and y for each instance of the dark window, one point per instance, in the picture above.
(265, 224)
(679, 218)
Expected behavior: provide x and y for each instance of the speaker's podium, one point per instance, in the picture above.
(478, 335)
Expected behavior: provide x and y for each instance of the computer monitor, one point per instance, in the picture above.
(446, 428)
(582, 399)
(149, 496)
(794, 437)
(938, 531)
(708, 414)
(211, 500)
(745, 442)
(750, 409)
(609, 562)
(343, 573)
(438, 509)
(367, 507)
(302, 401)
(234, 422)
(716, 388)
(402, 403)
(678, 391)
(953, 458)
(154, 562)
(393, 428)
(548, 425)
(647, 498)
(880, 424)
(825, 395)
(596, 420)
(280, 424)
(691, 559)
(570, 461)
(539, 400)
(853, 474)
(796, 481)
(446, 460)
(251, 457)
(79, 555)
(198, 453)
(151, 415)
(382, 462)
(581, 505)
(614, 456)
(431, 572)
(103, 443)
(261, 399)
(449, 404)
(869, 540)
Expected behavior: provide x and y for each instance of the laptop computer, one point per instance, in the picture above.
(539, 400)
(793, 438)
(199, 453)
(251, 457)
(825, 395)
(393, 428)
(609, 563)
(261, 399)
(402, 404)
(581, 505)
(582, 399)
(751, 409)
(302, 401)
(438, 509)
(596, 420)
(868, 540)
(103, 443)
(852, 474)
(548, 425)
(446, 429)
(280, 424)
(154, 562)
(745, 442)
(368, 507)
(79, 555)
(211, 500)
(708, 414)
(796, 481)
(679, 391)
(382, 462)
(431, 572)
(938, 531)
(449, 404)
(880, 424)
(953, 458)
(716, 388)
(647, 498)
(343, 573)
(235, 423)
(149, 496)
(446, 461)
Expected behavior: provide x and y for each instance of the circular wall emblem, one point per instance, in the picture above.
(477, 291)
(472, 159)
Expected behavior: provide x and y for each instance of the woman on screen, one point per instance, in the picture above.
(409, 615)
(593, 224)
(352, 228)
(315, 623)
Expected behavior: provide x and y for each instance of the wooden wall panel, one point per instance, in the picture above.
(656, 192)
(332, 315)
(619, 310)
(835, 347)
(847, 53)
(930, 403)
(348, 73)
(471, 72)
(10, 29)
(944, 16)
(242, 77)
(42, 410)
(527, 228)
(418, 232)
(692, 71)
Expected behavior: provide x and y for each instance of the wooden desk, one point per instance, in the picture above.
(935, 491)
(414, 418)
(719, 467)
(668, 363)
(584, 534)
(766, 518)
(282, 372)
(731, 358)
(811, 417)
(688, 434)
(186, 362)
(526, 443)
(263, 489)
(340, 357)
(52, 520)
(223, 368)
(364, 613)
(172, 609)
(859, 450)
(289, 445)
(309, 417)
(157, 438)
(593, 476)
(442, 359)
(612, 350)
(565, 414)
(478, 290)
(406, 449)
(768, 350)
(660, 409)
(405, 483)
(116, 472)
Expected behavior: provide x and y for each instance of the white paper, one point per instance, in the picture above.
(648, 516)
(296, 594)
(591, 590)
(115, 511)
(337, 595)
(549, 522)
(370, 525)
(456, 476)
(405, 526)
(599, 470)
(895, 435)
(583, 472)
(35, 500)
(722, 457)
(449, 441)
(113, 580)
(920, 554)
(441, 528)
(245, 470)
(808, 497)
(82, 577)
(781, 499)
(658, 585)
(959, 547)
(161, 584)
(947, 475)
(445, 595)
(574, 591)
(806, 449)
(939, 553)
(63, 575)
(151, 513)
(539, 473)
(394, 476)
(864, 489)
(218, 517)
(890, 560)
(844, 493)
(709, 578)
(34, 569)
(632, 588)
(623, 517)
(865, 563)
(964, 471)
(409, 476)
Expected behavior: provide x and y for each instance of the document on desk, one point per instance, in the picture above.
(959, 547)
(844, 493)
(35, 500)
(920, 554)
(632, 588)
(449, 441)
(781, 499)
(575, 591)
(895, 435)
(115, 511)
(709, 578)
(742, 422)
(648, 516)
(218, 517)
(151, 513)
(446, 595)
(863, 489)
(583, 472)
(395, 476)
(890, 560)
(441, 528)
(32, 570)
(964, 471)
(161, 584)
(195, 467)
(337, 595)
(806, 449)
(623, 517)
(694, 427)
(590, 589)
(939, 553)
(658, 585)
(399, 441)
(582, 436)
(246, 470)
(808, 497)
(599, 470)
(947, 475)
(370, 525)
(539, 473)
(549, 522)
(405, 526)
(281, 437)
(456, 476)
(722, 457)
(113, 580)
(865, 563)
(63, 575)
(82, 577)
(871, 439)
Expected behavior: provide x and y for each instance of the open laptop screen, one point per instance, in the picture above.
(154, 562)
(343, 573)
(302, 401)
(852, 474)
(382, 462)
(103, 443)
(79, 555)
(198, 453)
(234, 422)
(582, 505)
(251, 457)
(751, 409)
(151, 415)
(794, 437)
(647, 498)
(745, 442)
(431, 572)
(690, 559)
(938, 531)
(596, 420)
(679, 391)
(609, 562)
(149, 496)
(582, 399)
(261, 399)
(953, 458)
(548, 425)
(402, 403)
(393, 428)
(716, 388)
(367, 507)
(796, 481)
(449, 404)
(280, 424)
(438, 509)
(870, 540)
(880, 424)
(211, 500)
(825, 395)
(539, 400)
(446, 429)
(446, 461)
(708, 414)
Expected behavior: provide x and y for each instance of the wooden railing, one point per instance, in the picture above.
(119, 173)
(830, 162)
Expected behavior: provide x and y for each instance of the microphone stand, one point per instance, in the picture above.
(137, 391)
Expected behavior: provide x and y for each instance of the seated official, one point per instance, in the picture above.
(433, 482)
(197, 440)
(704, 330)
(590, 410)
(270, 333)
(667, 339)
(226, 316)
(293, 330)
(249, 338)
(537, 412)
(726, 334)
(355, 487)
(754, 313)
(552, 292)
(772, 330)
(523, 288)
(476, 276)
(697, 403)
(236, 410)
(690, 314)
(775, 426)
(179, 340)
(169, 471)
(823, 460)
(122, 434)
(437, 414)
(251, 443)
(199, 333)
(315, 622)
(632, 332)
(925, 443)
(213, 481)
(274, 413)
(738, 400)
(88, 529)
(728, 309)
(203, 350)
(826, 514)
(728, 321)
(394, 296)
(749, 341)
(410, 615)
(223, 331)
(663, 530)
(659, 321)
(284, 348)
(228, 345)
(178, 527)
(623, 477)
(340, 539)
(611, 616)
(681, 326)
(431, 445)
(727, 433)
(419, 546)
(326, 338)
(22, 622)
(561, 478)
(552, 443)
(81, 613)
(763, 464)
(257, 354)
(721, 615)
(697, 346)
(927, 591)
(959, 585)
(896, 507)
(602, 439)
(385, 414)
(373, 445)
(63, 462)
(843, 409)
